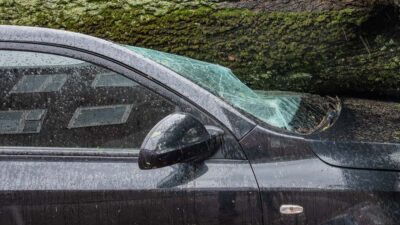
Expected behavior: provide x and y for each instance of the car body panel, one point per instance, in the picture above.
(288, 172)
(361, 155)
(364, 136)
(53, 190)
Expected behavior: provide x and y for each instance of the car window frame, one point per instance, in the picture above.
(114, 66)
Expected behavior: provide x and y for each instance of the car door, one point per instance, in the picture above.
(298, 188)
(70, 131)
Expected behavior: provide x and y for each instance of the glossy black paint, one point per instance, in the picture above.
(255, 171)
(178, 138)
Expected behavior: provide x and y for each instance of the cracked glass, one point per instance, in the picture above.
(288, 111)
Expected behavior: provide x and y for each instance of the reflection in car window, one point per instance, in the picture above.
(112, 80)
(41, 83)
(21, 121)
(55, 101)
(280, 110)
(100, 116)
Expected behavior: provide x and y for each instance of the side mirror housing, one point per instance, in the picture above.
(178, 138)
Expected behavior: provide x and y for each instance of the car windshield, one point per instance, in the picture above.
(276, 110)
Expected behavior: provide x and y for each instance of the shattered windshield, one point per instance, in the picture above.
(277, 110)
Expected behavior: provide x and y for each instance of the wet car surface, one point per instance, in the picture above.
(93, 132)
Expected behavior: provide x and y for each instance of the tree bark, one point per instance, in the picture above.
(306, 5)
(321, 46)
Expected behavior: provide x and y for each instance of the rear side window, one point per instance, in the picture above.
(54, 101)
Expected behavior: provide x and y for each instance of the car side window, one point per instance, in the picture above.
(55, 101)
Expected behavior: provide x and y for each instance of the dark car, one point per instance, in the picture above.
(93, 132)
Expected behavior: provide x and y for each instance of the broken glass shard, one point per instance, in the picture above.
(221, 82)
(100, 116)
(289, 111)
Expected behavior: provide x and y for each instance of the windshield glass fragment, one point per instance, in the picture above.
(290, 111)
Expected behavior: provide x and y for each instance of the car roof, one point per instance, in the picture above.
(226, 114)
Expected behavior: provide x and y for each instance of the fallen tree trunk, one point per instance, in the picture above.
(307, 5)
(341, 49)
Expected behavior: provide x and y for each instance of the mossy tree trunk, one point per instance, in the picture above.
(328, 47)
(307, 5)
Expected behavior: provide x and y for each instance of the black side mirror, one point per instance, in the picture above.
(178, 138)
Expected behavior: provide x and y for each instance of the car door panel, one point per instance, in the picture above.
(85, 171)
(115, 191)
(288, 173)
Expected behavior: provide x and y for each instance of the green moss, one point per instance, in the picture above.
(396, 135)
(302, 51)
